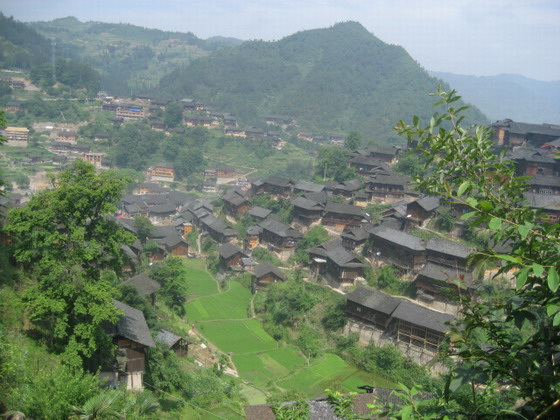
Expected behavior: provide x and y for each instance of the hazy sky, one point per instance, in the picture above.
(479, 37)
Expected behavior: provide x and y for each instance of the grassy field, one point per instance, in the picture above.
(331, 372)
(232, 304)
(200, 283)
(262, 368)
(240, 337)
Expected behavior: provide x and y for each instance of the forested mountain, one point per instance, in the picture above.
(336, 79)
(130, 58)
(21, 46)
(509, 96)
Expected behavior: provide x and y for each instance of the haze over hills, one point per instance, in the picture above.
(509, 96)
(339, 79)
(130, 58)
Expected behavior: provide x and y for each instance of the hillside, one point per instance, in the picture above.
(130, 58)
(335, 79)
(21, 46)
(509, 96)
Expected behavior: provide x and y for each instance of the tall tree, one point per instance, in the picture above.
(353, 141)
(332, 162)
(64, 237)
(173, 115)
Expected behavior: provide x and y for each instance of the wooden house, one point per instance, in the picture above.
(307, 211)
(548, 185)
(179, 345)
(368, 166)
(259, 213)
(510, 133)
(279, 236)
(144, 285)
(344, 188)
(422, 209)
(230, 255)
(130, 112)
(343, 216)
(132, 336)
(175, 245)
(236, 202)
(252, 239)
(67, 136)
(443, 283)
(274, 185)
(388, 186)
(16, 136)
(387, 155)
(449, 253)
(333, 261)
(353, 238)
(535, 162)
(219, 230)
(372, 306)
(547, 205)
(303, 187)
(419, 326)
(400, 248)
(265, 274)
(161, 172)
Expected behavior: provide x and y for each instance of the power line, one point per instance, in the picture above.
(185, 401)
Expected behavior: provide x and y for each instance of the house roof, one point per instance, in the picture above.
(307, 204)
(280, 229)
(543, 201)
(448, 247)
(374, 299)
(398, 237)
(356, 234)
(342, 208)
(446, 274)
(229, 250)
(265, 268)
(171, 241)
(259, 212)
(308, 186)
(132, 325)
(168, 338)
(428, 203)
(159, 232)
(143, 284)
(278, 181)
(526, 128)
(163, 208)
(548, 181)
(339, 255)
(349, 186)
(254, 230)
(320, 197)
(390, 180)
(235, 196)
(424, 317)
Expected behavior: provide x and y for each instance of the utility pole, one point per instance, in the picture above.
(53, 58)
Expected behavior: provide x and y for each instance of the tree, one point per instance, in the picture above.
(189, 161)
(464, 169)
(173, 115)
(353, 141)
(171, 274)
(144, 227)
(314, 236)
(64, 238)
(332, 162)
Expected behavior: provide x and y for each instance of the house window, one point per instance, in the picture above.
(545, 191)
(540, 170)
(358, 309)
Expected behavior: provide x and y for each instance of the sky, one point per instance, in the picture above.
(474, 37)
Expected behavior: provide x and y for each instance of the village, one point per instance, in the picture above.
(403, 234)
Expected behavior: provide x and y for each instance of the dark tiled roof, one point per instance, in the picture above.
(543, 201)
(163, 208)
(424, 317)
(132, 325)
(342, 208)
(399, 238)
(320, 197)
(171, 241)
(374, 299)
(229, 250)
(159, 232)
(549, 181)
(278, 181)
(260, 212)
(143, 284)
(308, 186)
(448, 247)
(390, 180)
(428, 203)
(526, 128)
(265, 268)
(446, 274)
(168, 338)
(357, 234)
(254, 230)
(280, 229)
(307, 204)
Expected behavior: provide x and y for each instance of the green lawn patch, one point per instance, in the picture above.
(334, 373)
(232, 304)
(238, 336)
(200, 283)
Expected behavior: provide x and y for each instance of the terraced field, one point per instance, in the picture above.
(222, 318)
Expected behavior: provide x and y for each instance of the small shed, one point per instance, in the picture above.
(180, 345)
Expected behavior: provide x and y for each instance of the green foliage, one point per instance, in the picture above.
(409, 165)
(288, 302)
(465, 170)
(314, 236)
(22, 46)
(136, 143)
(343, 404)
(188, 161)
(173, 115)
(281, 206)
(171, 274)
(353, 141)
(445, 220)
(370, 83)
(310, 342)
(297, 410)
(332, 163)
(262, 254)
(386, 278)
(64, 238)
(144, 227)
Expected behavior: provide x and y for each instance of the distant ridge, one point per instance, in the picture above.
(509, 96)
(336, 79)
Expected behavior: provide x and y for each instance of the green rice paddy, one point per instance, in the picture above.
(238, 337)
(232, 304)
(200, 283)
